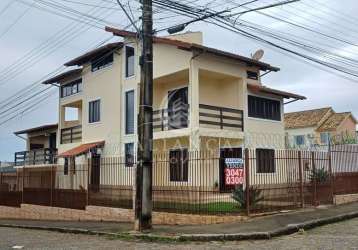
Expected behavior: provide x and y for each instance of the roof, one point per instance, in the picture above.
(82, 149)
(94, 53)
(37, 129)
(307, 118)
(266, 90)
(334, 121)
(67, 74)
(197, 47)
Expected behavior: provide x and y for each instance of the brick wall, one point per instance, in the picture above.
(94, 213)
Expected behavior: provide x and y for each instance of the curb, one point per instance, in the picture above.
(287, 230)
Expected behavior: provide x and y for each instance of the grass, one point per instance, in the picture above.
(211, 208)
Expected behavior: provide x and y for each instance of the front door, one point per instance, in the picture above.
(178, 108)
(234, 153)
(95, 172)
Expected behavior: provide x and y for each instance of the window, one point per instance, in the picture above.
(178, 163)
(299, 140)
(325, 137)
(129, 61)
(252, 75)
(94, 111)
(101, 62)
(129, 154)
(65, 167)
(71, 88)
(129, 109)
(265, 161)
(264, 108)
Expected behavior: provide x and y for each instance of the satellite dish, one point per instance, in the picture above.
(258, 54)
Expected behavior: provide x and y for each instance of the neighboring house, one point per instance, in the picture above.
(204, 99)
(317, 127)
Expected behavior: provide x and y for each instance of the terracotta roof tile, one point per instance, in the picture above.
(82, 149)
(307, 118)
(334, 121)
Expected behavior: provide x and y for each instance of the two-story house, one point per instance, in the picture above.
(316, 127)
(204, 100)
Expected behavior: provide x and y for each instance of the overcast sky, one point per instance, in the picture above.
(23, 28)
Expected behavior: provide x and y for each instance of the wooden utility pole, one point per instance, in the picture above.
(143, 193)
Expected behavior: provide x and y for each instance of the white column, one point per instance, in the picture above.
(194, 105)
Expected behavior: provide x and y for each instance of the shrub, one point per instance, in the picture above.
(320, 175)
(239, 195)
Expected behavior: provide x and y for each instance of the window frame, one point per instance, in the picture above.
(328, 137)
(95, 68)
(303, 141)
(127, 130)
(261, 167)
(66, 166)
(252, 75)
(276, 115)
(66, 90)
(181, 174)
(126, 155)
(126, 62)
(90, 121)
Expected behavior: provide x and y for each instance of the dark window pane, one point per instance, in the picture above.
(129, 109)
(102, 62)
(94, 111)
(129, 154)
(65, 167)
(264, 108)
(71, 88)
(178, 165)
(265, 161)
(129, 61)
(252, 75)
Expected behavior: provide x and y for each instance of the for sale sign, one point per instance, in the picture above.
(234, 171)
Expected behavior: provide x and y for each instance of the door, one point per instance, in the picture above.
(52, 141)
(233, 153)
(178, 108)
(95, 172)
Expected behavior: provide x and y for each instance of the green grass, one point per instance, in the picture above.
(211, 208)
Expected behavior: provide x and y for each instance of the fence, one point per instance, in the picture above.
(197, 182)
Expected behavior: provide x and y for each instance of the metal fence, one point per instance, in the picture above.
(196, 182)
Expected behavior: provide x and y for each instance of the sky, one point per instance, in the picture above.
(24, 28)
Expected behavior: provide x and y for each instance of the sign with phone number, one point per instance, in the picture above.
(234, 171)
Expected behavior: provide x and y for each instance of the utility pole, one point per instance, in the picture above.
(143, 193)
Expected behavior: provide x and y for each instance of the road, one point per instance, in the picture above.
(340, 236)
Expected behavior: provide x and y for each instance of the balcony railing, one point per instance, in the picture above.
(71, 135)
(221, 117)
(36, 157)
(170, 119)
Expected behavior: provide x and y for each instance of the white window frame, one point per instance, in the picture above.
(100, 111)
(125, 62)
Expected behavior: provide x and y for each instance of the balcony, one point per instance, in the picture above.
(221, 118)
(36, 157)
(171, 119)
(71, 135)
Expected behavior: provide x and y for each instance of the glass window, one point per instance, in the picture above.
(101, 62)
(265, 161)
(252, 75)
(65, 167)
(129, 110)
(129, 61)
(178, 163)
(264, 108)
(94, 111)
(300, 140)
(129, 154)
(325, 137)
(71, 88)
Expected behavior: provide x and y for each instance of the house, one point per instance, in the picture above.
(204, 100)
(318, 126)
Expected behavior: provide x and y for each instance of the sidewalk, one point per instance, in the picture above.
(255, 228)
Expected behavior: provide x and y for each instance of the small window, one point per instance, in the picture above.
(325, 137)
(252, 75)
(264, 108)
(73, 165)
(94, 111)
(129, 112)
(129, 61)
(71, 88)
(101, 62)
(65, 167)
(178, 163)
(265, 161)
(129, 154)
(300, 140)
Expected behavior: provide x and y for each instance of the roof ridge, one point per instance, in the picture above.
(308, 110)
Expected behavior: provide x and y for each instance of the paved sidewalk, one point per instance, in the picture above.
(260, 227)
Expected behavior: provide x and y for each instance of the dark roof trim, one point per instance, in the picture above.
(37, 129)
(284, 94)
(197, 47)
(67, 74)
(94, 53)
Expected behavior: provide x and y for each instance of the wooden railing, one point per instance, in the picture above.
(36, 157)
(221, 117)
(71, 135)
(170, 119)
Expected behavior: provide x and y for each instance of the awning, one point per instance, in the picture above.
(264, 89)
(82, 149)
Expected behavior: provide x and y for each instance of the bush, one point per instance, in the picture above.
(320, 175)
(239, 195)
